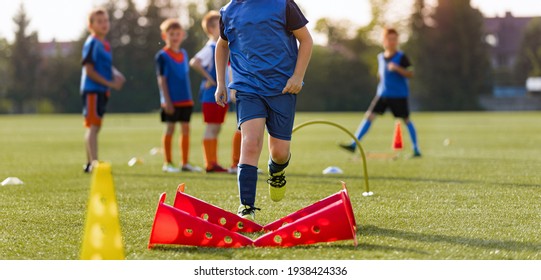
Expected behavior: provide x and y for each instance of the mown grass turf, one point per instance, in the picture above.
(477, 198)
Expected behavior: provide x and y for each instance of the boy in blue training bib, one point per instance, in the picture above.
(393, 90)
(260, 38)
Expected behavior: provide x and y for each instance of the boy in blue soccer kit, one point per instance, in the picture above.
(172, 70)
(393, 90)
(260, 39)
(98, 77)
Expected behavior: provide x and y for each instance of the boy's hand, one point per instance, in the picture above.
(169, 108)
(117, 83)
(210, 83)
(392, 66)
(118, 79)
(293, 86)
(221, 95)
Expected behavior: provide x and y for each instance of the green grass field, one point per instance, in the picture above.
(477, 198)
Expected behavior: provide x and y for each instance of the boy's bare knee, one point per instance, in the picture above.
(280, 156)
(169, 129)
(251, 143)
(279, 150)
(370, 115)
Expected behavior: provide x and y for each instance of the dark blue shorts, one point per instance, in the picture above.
(279, 111)
(94, 106)
(399, 106)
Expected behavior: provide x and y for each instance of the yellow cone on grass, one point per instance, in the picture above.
(102, 238)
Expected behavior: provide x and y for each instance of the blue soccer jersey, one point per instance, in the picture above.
(175, 68)
(263, 49)
(97, 53)
(392, 84)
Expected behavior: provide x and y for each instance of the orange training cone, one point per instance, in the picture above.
(397, 141)
(213, 214)
(331, 223)
(174, 226)
(305, 211)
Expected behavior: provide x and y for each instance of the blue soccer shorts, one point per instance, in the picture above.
(278, 110)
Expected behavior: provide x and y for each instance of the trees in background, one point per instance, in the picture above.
(445, 45)
(339, 77)
(24, 66)
(450, 56)
(5, 53)
(529, 60)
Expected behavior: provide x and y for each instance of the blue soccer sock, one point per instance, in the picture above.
(275, 167)
(413, 135)
(247, 181)
(361, 131)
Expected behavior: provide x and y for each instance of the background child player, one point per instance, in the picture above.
(213, 114)
(393, 90)
(175, 94)
(260, 38)
(98, 77)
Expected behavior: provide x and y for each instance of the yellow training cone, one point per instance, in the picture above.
(102, 237)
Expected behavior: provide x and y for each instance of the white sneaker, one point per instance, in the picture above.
(190, 168)
(170, 168)
(232, 170)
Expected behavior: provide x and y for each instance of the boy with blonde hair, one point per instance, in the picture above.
(213, 114)
(97, 79)
(172, 70)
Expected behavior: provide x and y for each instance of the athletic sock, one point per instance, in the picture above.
(247, 181)
(361, 131)
(185, 148)
(413, 135)
(275, 167)
(235, 157)
(166, 143)
(208, 150)
(215, 150)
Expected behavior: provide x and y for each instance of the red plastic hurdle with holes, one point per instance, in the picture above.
(194, 222)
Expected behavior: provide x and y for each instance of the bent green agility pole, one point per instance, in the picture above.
(367, 191)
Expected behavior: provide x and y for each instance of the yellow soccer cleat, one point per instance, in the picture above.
(277, 185)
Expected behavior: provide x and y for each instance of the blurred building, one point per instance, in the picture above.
(504, 35)
(54, 48)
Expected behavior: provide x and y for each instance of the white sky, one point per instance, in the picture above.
(65, 19)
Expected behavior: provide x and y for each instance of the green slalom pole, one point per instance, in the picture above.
(367, 191)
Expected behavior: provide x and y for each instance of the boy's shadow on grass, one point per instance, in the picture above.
(510, 245)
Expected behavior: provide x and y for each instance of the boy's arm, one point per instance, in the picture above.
(222, 57)
(294, 84)
(96, 77)
(195, 63)
(162, 83)
(401, 70)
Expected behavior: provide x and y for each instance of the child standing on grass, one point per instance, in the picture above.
(175, 94)
(213, 114)
(393, 90)
(98, 77)
(268, 67)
